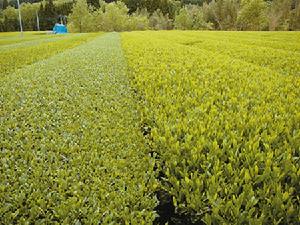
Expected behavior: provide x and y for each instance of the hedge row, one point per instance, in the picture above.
(226, 130)
(71, 150)
(28, 51)
(277, 51)
(11, 38)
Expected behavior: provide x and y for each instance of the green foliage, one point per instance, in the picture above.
(191, 18)
(28, 12)
(226, 127)
(295, 17)
(278, 15)
(10, 19)
(223, 13)
(30, 50)
(48, 15)
(190, 14)
(184, 20)
(138, 21)
(159, 21)
(252, 15)
(196, 2)
(8, 39)
(4, 4)
(115, 17)
(109, 17)
(81, 19)
(165, 6)
(261, 49)
(71, 151)
(47, 11)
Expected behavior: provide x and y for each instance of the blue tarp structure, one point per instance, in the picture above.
(60, 29)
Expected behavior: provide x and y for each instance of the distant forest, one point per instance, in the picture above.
(109, 15)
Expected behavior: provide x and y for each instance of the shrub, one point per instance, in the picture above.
(226, 131)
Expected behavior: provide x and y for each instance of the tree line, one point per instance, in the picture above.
(109, 15)
(46, 12)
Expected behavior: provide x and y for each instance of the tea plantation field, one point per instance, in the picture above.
(152, 127)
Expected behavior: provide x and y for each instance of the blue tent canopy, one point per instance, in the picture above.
(60, 29)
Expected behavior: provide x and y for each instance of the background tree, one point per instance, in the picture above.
(279, 14)
(133, 5)
(199, 22)
(223, 14)
(10, 16)
(191, 18)
(171, 8)
(195, 2)
(138, 20)
(28, 12)
(252, 15)
(48, 15)
(295, 15)
(165, 6)
(115, 17)
(65, 8)
(4, 4)
(13, 3)
(94, 4)
(184, 20)
(159, 21)
(81, 18)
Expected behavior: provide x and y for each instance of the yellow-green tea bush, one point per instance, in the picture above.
(279, 51)
(7, 38)
(15, 56)
(226, 127)
(71, 151)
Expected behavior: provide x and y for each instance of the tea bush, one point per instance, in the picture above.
(8, 38)
(71, 151)
(280, 53)
(225, 125)
(17, 55)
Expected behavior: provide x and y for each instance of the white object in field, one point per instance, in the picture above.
(20, 18)
(37, 20)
